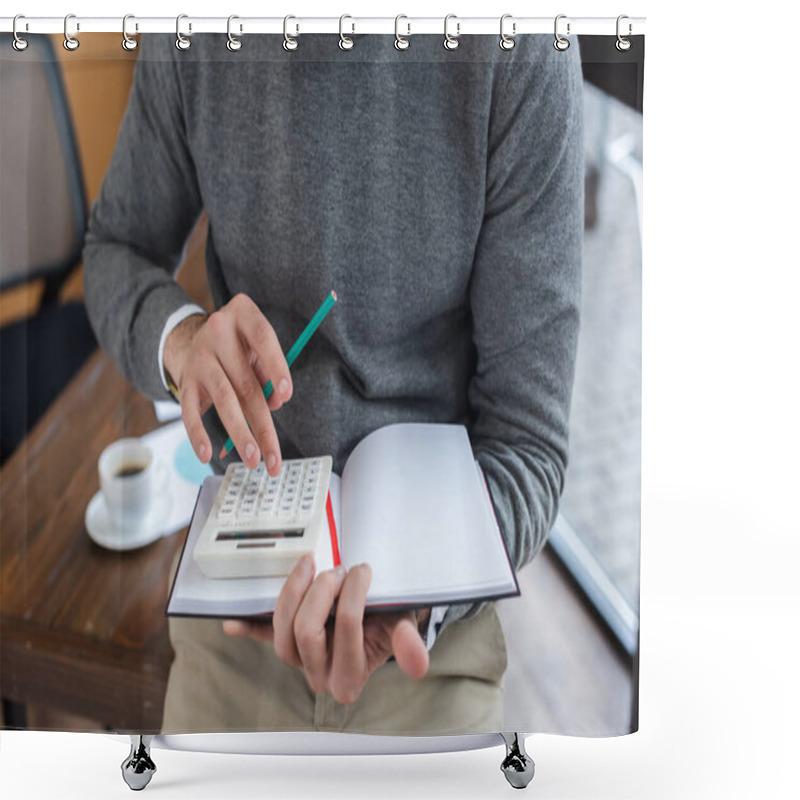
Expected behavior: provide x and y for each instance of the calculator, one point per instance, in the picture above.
(260, 526)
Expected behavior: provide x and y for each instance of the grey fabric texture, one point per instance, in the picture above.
(439, 193)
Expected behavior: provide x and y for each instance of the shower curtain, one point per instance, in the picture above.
(172, 215)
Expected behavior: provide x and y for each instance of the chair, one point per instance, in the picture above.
(42, 225)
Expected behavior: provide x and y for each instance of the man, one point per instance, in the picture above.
(440, 194)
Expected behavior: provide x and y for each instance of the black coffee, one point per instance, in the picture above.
(129, 470)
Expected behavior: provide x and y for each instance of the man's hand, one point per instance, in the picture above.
(225, 360)
(341, 660)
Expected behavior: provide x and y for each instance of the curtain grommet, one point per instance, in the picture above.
(18, 43)
(451, 42)
(70, 42)
(345, 42)
(623, 44)
(289, 42)
(561, 43)
(507, 42)
(401, 42)
(182, 42)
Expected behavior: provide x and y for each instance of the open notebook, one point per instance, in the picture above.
(411, 502)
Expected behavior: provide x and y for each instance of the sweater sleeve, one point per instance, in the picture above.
(525, 295)
(138, 227)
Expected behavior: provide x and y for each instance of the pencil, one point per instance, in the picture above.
(295, 351)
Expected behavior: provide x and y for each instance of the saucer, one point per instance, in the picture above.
(153, 525)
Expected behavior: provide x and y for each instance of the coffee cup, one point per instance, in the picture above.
(127, 480)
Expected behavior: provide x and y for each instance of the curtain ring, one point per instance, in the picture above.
(128, 42)
(233, 44)
(400, 42)
(288, 42)
(181, 42)
(345, 42)
(18, 43)
(561, 43)
(451, 42)
(622, 44)
(70, 42)
(506, 42)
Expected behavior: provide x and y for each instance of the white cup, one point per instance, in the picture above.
(127, 480)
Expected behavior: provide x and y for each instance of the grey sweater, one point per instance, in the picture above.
(439, 193)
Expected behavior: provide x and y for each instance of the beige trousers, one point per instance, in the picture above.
(219, 683)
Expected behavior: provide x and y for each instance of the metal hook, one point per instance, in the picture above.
(18, 43)
(70, 42)
(561, 43)
(288, 42)
(181, 42)
(622, 44)
(451, 42)
(128, 43)
(506, 42)
(400, 42)
(233, 43)
(345, 42)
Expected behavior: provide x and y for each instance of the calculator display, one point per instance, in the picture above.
(226, 536)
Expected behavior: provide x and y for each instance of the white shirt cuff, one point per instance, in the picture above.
(434, 623)
(172, 322)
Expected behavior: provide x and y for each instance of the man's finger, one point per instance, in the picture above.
(289, 600)
(226, 401)
(234, 359)
(262, 339)
(348, 667)
(409, 650)
(191, 412)
(309, 626)
(255, 630)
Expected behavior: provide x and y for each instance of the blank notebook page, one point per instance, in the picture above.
(416, 489)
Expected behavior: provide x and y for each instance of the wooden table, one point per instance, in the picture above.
(83, 629)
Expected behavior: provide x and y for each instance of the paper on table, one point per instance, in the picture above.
(170, 443)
